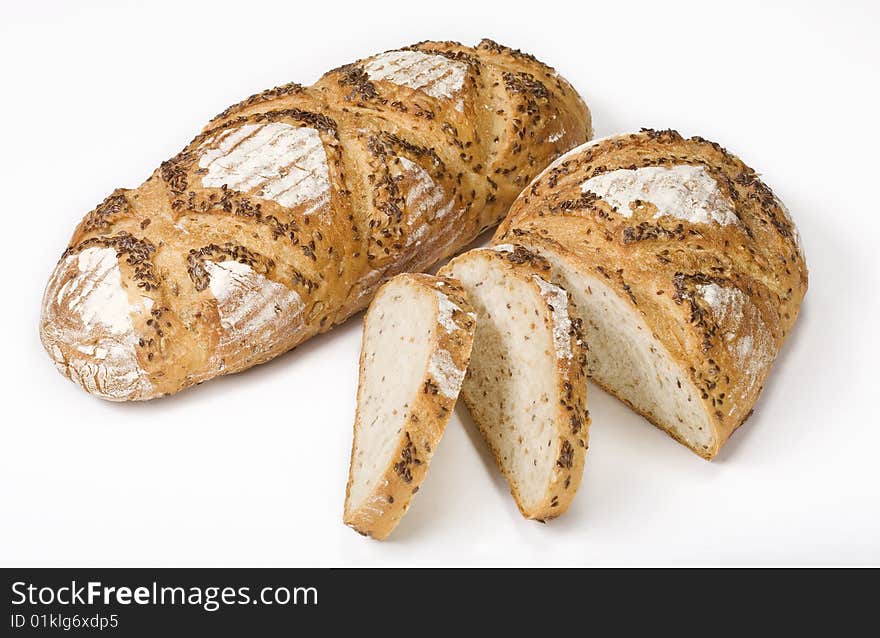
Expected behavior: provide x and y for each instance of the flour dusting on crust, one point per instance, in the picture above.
(733, 313)
(426, 201)
(557, 299)
(424, 197)
(436, 75)
(445, 373)
(87, 326)
(727, 303)
(276, 161)
(254, 310)
(684, 192)
(446, 310)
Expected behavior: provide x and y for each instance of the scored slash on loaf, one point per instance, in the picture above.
(288, 211)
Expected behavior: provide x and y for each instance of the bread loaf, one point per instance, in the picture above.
(686, 268)
(288, 211)
(525, 385)
(417, 342)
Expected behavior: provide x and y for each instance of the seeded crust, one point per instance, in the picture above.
(658, 265)
(425, 423)
(169, 231)
(573, 418)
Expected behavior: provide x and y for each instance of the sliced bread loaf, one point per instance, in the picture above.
(417, 342)
(687, 268)
(525, 386)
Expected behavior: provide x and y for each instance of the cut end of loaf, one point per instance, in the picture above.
(625, 359)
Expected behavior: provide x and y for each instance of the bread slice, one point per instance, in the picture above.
(417, 341)
(525, 386)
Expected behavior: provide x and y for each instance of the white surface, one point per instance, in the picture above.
(251, 470)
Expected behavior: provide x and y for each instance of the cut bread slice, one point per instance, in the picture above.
(417, 341)
(525, 386)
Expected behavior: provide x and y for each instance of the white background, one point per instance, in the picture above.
(251, 470)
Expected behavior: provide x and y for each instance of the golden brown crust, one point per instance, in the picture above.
(383, 142)
(425, 423)
(671, 270)
(573, 418)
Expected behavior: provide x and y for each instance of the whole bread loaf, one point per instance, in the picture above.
(686, 268)
(289, 210)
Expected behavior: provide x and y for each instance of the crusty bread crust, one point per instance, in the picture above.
(428, 413)
(719, 288)
(573, 418)
(288, 211)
